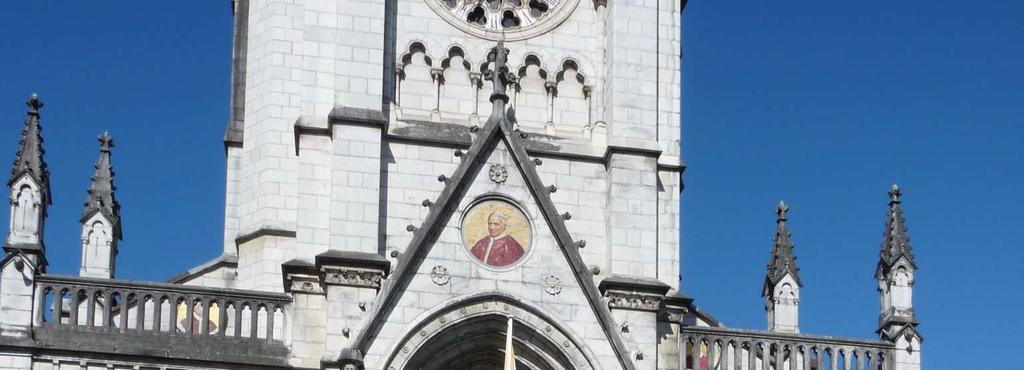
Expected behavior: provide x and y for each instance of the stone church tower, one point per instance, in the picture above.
(354, 143)
(412, 184)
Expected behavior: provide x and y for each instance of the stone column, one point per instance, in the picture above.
(670, 319)
(355, 165)
(307, 330)
(635, 303)
(17, 294)
(632, 213)
(351, 282)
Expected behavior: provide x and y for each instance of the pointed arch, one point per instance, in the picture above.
(475, 325)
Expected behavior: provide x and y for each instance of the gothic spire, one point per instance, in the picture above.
(783, 260)
(29, 158)
(896, 243)
(101, 190)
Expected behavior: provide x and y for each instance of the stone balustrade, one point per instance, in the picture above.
(710, 348)
(209, 324)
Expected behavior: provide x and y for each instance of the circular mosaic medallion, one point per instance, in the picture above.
(496, 233)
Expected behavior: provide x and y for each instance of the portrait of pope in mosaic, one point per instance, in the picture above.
(496, 233)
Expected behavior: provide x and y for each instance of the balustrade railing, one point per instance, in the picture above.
(707, 348)
(76, 304)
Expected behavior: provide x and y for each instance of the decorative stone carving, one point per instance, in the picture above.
(633, 301)
(439, 275)
(552, 284)
(498, 173)
(510, 20)
(306, 286)
(356, 278)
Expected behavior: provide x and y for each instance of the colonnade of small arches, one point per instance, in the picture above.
(453, 88)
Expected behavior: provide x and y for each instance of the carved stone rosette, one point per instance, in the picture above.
(552, 284)
(498, 173)
(439, 275)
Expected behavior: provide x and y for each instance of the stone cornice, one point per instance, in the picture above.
(300, 277)
(633, 293)
(354, 269)
(245, 238)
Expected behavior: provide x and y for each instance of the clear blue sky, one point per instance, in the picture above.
(819, 104)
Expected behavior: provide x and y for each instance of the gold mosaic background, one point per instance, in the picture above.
(474, 225)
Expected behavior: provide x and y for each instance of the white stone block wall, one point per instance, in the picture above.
(308, 320)
(16, 297)
(313, 230)
(411, 172)
(669, 78)
(632, 216)
(632, 69)
(668, 355)
(582, 191)
(15, 361)
(231, 195)
(259, 262)
(355, 189)
(273, 104)
(669, 196)
(220, 277)
(640, 332)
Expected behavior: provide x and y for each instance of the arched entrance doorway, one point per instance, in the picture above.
(470, 334)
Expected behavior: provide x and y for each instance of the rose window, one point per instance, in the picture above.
(500, 14)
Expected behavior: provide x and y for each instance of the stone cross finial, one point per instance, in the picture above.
(500, 76)
(781, 211)
(106, 142)
(34, 104)
(894, 194)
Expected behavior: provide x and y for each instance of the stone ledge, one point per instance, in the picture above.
(633, 293)
(342, 115)
(245, 238)
(301, 277)
(355, 269)
(224, 260)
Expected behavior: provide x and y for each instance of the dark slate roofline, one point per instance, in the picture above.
(242, 239)
(639, 284)
(352, 259)
(226, 260)
(496, 130)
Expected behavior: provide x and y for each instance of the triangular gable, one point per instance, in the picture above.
(498, 129)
